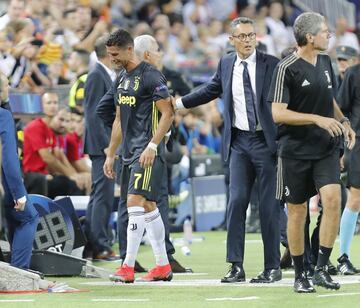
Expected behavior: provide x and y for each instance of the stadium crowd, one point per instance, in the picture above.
(52, 46)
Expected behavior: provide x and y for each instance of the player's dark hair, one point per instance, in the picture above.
(120, 38)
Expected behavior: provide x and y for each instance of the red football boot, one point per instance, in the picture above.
(124, 273)
(158, 273)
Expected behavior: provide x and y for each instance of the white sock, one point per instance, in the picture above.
(156, 232)
(135, 232)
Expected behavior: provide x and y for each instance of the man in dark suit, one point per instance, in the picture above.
(97, 137)
(243, 80)
(21, 215)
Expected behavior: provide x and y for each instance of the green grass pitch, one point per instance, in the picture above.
(199, 290)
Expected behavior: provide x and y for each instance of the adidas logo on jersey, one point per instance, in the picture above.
(305, 83)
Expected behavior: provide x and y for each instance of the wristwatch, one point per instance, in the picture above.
(345, 119)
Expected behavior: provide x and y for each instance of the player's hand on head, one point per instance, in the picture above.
(109, 167)
(147, 157)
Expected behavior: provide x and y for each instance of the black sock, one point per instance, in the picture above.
(298, 265)
(323, 256)
(237, 264)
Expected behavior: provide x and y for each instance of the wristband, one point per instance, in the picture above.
(168, 134)
(345, 119)
(152, 146)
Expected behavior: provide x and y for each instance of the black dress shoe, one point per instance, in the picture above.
(268, 276)
(302, 285)
(322, 278)
(176, 267)
(106, 255)
(235, 274)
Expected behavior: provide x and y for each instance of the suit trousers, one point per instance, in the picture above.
(100, 206)
(163, 206)
(22, 227)
(250, 158)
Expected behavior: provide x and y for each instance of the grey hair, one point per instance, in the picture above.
(143, 43)
(240, 20)
(307, 23)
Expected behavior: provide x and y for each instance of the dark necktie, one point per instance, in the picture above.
(249, 98)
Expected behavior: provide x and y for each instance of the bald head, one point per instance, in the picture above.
(50, 104)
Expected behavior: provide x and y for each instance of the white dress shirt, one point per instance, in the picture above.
(240, 119)
(110, 72)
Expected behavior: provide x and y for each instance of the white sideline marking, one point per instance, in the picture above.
(120, 300)
(338, 294)
(250, 241)
(218, 299)
(285, 282)
(16, 300)
(190, 274)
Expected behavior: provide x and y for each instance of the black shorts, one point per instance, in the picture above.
(298, 180)
(146, 182)
(353, 165)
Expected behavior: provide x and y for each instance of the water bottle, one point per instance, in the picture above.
(187, 231)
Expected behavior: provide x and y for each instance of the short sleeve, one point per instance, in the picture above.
(37, 136)
(279, 88)
(157, 85)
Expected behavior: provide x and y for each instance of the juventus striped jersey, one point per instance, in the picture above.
(137, 92)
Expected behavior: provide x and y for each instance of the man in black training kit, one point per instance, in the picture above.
(302, 95)
(143, 117)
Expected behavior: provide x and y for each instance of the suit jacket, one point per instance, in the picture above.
(221, 85)
(10, 166)
(97, 135)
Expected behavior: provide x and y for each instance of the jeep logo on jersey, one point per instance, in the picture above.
(126, 100)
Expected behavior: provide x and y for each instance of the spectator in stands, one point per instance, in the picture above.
(35, 10)
(196, 12)
(75, 143)
(15, 11)
(67, 36)
(281, 35)
(44, 173)
(54, 74)
(264, 37)
(346, 57)
(78, 63)
(6, 59)
(343, 37)
(68, 149)
(86, 30)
